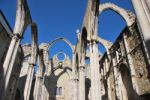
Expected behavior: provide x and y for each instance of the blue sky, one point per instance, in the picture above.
(63, 18)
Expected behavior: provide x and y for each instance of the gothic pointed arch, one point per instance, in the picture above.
(105, 43)
(128, 16)
(65, 70)
(50, 44)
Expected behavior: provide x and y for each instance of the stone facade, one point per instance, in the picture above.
(126, 70)
(121, 73)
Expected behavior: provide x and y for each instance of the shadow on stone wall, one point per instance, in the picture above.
(87, 88)
(51, 82)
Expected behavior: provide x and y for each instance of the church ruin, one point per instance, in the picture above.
(121, 73)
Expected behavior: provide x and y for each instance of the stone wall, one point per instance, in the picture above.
(128, 67)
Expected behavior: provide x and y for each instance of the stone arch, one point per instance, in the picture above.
(127, 87)
(61, 39)
(66, 69)
(23, 18)
(128, 16)
(105, 43)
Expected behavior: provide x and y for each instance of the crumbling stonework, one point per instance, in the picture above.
(121, 73)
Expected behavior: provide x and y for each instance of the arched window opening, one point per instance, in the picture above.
(58, 91)
(127, 85)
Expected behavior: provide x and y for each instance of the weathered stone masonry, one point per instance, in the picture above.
(121, 73)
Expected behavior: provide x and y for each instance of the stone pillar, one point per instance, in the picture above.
(30, 73)
(44, 93)
(36, 88)
(11, 49)
(32, 62)
(75, 89)
(132, 69)
(143, 22)
(43, 63)
(108, 79)
(46, 58)
(23, 19)
(116, 78)
(74, 78)
(95, 76)
(29, 81)
(39, 77)
(46, 65)
(8, 65)
(81, 83)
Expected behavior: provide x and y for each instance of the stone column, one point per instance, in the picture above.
(108, 80)
(23, 19)
(46, 65)
(39, 77)
(132, 69)
(36, 88)
(74, 78)
(95, 76)
(46, 58)
(116, 78)
(32, 62)
(81, 83)
(143, 22)
(75, 89)
(43, 92)
(29, 80)
(8, 65)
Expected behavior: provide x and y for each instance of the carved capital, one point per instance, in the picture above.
(16, 36)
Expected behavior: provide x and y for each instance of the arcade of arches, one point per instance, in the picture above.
(121, 73)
